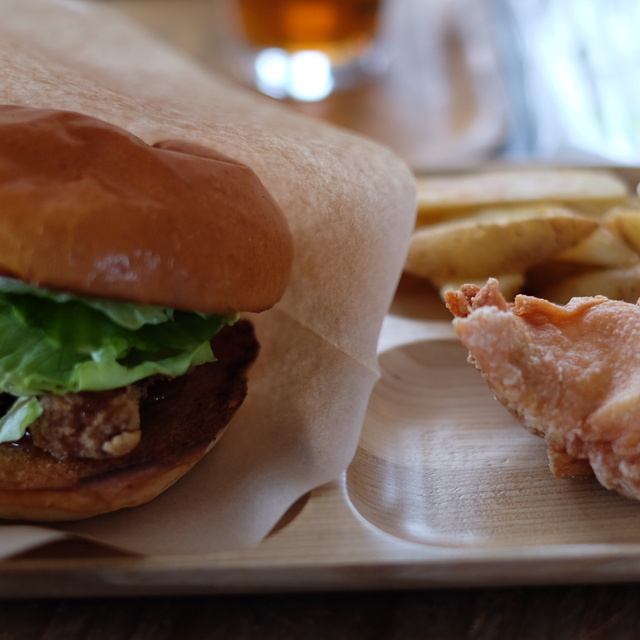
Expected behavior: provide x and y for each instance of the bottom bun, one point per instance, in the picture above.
(181, 420)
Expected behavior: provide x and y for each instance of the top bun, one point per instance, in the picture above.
(87, 207)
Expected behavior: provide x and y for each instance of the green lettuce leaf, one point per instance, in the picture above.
(126, 314)
(13, 425)
(53, 342)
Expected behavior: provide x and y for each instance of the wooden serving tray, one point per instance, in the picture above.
(445, 489)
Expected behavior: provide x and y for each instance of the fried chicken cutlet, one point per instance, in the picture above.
(570, 374)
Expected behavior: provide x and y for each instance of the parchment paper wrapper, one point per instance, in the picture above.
(350, 204)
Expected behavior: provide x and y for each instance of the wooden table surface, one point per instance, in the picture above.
(428, 133)
(553, 613)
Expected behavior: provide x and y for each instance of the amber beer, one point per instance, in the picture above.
(323, 25)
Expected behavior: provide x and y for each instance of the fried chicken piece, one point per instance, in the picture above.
(570, 374)
(89, 424)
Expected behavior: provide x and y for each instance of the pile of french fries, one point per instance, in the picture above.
(555, 233)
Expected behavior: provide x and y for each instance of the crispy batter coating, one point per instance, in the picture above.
(570, 374)
(90, 424)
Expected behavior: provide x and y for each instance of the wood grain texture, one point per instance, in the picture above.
(557, 613)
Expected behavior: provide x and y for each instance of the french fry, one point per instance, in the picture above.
(626, 221)
(494, 243)
(616, 284)
(454, 196)
(556, 233)
(602, 248)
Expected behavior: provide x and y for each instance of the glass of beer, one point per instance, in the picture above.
(306, 49)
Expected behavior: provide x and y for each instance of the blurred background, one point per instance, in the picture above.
(447, 83)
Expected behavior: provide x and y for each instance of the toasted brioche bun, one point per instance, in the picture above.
(87, 207)
(186, 416)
